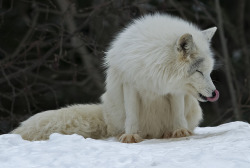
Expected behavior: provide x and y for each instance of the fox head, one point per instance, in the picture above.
(162, 54)
(197, 61)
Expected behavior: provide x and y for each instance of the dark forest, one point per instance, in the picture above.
(51, 52)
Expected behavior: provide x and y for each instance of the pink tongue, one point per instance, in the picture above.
(215, 98)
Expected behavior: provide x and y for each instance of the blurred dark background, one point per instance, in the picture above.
(51, 52)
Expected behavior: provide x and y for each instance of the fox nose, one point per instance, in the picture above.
(213, 94)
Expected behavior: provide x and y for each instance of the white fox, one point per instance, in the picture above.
(158, 68)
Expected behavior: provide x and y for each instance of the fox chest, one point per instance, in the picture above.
(155, 117)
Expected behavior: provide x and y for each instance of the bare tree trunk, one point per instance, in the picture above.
(228, 66)
(69, 9)
(243, 42)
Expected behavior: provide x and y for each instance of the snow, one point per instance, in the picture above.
(227, 145)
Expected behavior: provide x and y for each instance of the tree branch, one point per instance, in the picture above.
(77, 43)
(228, 66)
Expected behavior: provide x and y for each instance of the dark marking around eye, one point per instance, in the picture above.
(195, 65)
(200, 72)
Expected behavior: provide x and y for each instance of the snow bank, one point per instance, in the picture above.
(227, 146)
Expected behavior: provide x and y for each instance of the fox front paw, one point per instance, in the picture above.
(167, 135)
(181, 133)
(130, 138)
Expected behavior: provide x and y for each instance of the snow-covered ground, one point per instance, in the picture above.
(225, 146)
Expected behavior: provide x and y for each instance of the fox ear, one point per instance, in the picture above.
(209, 33)
(185, 44)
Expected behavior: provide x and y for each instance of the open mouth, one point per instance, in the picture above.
(215, 96)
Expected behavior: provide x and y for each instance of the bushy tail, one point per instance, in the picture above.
(85, 120)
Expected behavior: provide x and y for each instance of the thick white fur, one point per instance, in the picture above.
(85, 120)
(152, 86)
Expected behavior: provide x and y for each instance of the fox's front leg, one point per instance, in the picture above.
(131, 104)
(180, 125)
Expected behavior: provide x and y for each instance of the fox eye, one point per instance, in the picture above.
(200, 72)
